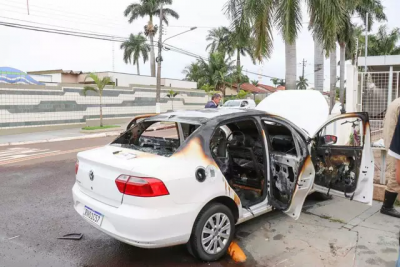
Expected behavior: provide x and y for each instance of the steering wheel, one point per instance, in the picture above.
(240, 133)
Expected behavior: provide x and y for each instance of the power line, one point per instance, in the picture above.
(63, 13)
(104, 37)
(45, 24)
(58, 18)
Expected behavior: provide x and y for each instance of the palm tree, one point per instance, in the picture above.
(215, 71)
(325, 18)
(230, 42)
(275, 81)
(254, 82)
(134, 48)
(302, 83)
(100, 85)
(171, 95)
(384, 43)
(194, 73)
(318, 65)
(150, 8)
(346, 33)
(333, 79)
(219, 40)
(282, 82)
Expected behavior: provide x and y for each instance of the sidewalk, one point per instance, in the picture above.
(334, 233)
(53, 136)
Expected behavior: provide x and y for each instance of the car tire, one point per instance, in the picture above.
(216, 237)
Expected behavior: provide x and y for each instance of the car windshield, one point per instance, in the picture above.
(231, 103)
(154, 137)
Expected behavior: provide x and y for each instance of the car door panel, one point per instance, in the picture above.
(345, 169)
(292, 171)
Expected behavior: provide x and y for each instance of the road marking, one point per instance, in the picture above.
(44, 155)
(21, 152)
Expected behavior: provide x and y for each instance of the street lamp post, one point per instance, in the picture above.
(159, 59)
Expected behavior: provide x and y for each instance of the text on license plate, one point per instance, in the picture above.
(93, 216)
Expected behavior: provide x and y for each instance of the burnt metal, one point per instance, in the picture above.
(73, 236)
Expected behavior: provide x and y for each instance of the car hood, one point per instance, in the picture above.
(308, 109)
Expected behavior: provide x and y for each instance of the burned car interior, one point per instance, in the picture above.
(285, 162)
(238, 150)
(156, 137)
(337, 163)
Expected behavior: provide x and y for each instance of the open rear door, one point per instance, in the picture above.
(342, 156)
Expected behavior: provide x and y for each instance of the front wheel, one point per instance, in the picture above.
(212, 233)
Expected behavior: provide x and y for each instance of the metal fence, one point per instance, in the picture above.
(378, 90)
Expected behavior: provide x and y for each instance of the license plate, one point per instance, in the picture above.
(93, 216)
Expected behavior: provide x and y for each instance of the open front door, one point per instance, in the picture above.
(342, 156)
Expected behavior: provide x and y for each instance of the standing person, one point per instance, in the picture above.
(391, 133)
(215, 99)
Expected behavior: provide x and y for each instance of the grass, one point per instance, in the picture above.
(91, 128)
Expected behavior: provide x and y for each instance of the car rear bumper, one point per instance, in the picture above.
(138, 226)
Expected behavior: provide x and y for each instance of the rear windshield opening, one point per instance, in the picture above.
(159, 138)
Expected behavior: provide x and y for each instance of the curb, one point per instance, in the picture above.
(91, 136)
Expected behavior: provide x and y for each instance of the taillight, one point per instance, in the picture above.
(141, 187)
(76, 166)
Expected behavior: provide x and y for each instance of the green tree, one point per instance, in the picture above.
(218, 39)
(100, 84)
(171, 95)
(134, 48)
(325, 18)
(346, 34)
(215, 70)
(254, 82)
(230, 42)
(282, 82)
(194, 73)
(150, 8)
(384, 42)
(302, 83)
(275, 81)
(242, 94)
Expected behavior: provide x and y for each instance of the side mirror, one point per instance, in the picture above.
(330, 139)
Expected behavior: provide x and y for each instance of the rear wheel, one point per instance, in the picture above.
(212, 232)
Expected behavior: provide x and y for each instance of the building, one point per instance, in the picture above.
(119, 78)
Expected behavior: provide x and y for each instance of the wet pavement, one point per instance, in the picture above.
(36, 208)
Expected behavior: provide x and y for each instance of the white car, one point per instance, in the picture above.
(190, 177)
(240, 103)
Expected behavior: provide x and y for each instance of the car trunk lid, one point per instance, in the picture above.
(99, 168)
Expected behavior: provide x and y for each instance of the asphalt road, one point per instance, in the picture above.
(36, 208)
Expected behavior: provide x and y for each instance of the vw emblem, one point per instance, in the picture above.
(91, 175)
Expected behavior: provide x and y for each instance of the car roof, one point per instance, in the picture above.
(204, 115)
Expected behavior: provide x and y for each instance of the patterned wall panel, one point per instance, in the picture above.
(25, 107)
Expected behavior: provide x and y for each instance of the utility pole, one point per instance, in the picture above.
(366, 41)
(27, 5)
(159, 60)
(304, 65)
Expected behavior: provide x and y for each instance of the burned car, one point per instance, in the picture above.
(189, 177)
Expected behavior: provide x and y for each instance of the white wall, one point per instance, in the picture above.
(42, 78)
(178, 84)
